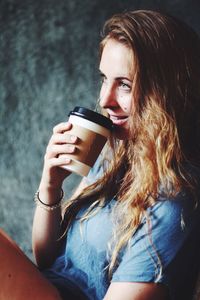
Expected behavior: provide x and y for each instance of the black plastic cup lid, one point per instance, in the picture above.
(92, 116)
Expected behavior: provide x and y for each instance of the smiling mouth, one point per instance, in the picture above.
(118, 120)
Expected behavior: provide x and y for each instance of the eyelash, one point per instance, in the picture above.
(122, 84)
(102, 78)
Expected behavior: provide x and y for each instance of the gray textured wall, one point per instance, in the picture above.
(48, 64)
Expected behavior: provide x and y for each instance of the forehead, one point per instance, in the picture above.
(116, 58)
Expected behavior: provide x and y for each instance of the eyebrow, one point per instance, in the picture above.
(116, 78)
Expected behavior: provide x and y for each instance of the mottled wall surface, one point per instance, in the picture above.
(48, 64)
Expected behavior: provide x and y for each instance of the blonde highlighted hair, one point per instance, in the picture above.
(164, 123)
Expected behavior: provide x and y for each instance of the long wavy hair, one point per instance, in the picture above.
(164, 124)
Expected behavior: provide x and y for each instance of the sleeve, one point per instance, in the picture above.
(160, 245)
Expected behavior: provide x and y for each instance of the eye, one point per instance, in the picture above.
(103, 78)
(124, 85)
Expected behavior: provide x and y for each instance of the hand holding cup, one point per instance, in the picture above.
(60, 145)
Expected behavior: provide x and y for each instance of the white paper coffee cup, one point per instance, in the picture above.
(92, 130)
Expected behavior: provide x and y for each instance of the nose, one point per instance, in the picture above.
(108, 96)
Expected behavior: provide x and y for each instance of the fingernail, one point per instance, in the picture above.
(71, 148)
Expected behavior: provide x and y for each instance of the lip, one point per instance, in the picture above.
(118, 120)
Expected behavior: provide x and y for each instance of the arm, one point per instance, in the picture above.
(19, 275)
(46, 224)
(136, 291)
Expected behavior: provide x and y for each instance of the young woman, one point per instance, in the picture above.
(132, 229)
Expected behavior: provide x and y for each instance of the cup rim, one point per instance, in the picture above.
(92, 116)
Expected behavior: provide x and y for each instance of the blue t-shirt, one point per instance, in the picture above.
(164, 249)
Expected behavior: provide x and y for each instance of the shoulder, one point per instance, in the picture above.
(184, 206)
(166, 229)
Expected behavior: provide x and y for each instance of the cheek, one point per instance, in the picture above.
(102, 90)
(125, 103)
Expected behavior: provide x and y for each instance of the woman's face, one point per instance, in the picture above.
(117, 80)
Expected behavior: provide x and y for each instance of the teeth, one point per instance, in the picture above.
(118, 118)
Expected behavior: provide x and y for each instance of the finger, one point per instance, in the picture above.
(55, 150)
(61, 127)
(63, 138)
(59, 161)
